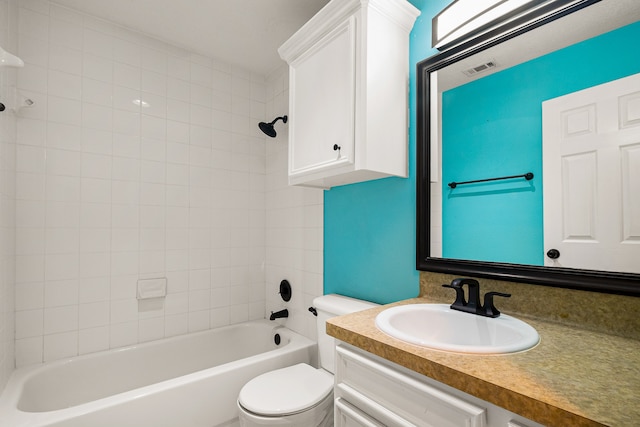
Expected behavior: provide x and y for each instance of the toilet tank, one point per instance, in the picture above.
(329, 306)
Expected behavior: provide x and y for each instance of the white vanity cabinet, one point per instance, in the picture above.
(371, 391)
(348, 85)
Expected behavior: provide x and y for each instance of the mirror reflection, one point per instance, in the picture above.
(487, 117)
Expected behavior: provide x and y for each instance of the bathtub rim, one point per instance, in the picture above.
(11, 395)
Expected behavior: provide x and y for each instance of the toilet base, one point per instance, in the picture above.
(320, 415)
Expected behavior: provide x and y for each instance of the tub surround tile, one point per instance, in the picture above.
(138, 189)
(98, 190)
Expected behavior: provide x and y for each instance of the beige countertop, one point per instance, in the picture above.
(573, 377)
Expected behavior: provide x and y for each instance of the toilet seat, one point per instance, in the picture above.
(286, 391)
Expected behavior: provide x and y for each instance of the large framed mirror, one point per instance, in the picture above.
(486, 110)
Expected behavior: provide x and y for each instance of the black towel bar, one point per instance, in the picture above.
(528, 176)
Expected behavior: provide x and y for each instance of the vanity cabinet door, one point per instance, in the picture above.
(395, 396)
(397, 399)
(322, 104)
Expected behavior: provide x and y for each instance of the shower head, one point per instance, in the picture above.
(268, 129)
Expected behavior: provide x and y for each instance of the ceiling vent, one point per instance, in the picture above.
(482, 68)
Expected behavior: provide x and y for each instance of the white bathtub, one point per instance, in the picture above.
(186, 381)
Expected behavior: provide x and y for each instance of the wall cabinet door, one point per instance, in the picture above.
(322, 85)
(348, 84)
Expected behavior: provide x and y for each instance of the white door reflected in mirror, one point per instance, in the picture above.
(591, 153)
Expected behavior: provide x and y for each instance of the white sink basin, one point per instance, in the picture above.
(437, 326)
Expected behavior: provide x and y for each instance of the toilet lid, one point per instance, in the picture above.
(286, 391)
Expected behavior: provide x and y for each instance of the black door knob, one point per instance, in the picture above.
(336, 147)
(553, 253)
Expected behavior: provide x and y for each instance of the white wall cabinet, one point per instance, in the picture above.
(371, 391)
(348, 85)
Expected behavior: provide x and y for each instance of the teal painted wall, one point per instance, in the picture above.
(369, 228)
(479, 146)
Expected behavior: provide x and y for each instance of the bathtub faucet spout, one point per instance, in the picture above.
(279, 314)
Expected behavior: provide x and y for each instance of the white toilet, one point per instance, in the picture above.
(299, 395)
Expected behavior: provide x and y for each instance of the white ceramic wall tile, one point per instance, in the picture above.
(97, 117)
(65, 85)
(60, 319)
(97, 67)
(35, 23)
(62, 214)
(221, 100)
(293, 244)
(94, 290)
(201, 95)
(199, 320)
(95, 92)
(123, 334)
(62, 188)
(154, 81)
(179, 68)
(29, 268)
(29, 323)
(219, 317)
(96, 141)
(29, 296)
(60, 345)
(154, 105)
(111, 191)
(151, 329)
(33, 78)
(200, 116)
(94, 264)
(65, 32)
(127, 145)
(95, 240)
(176, 325)
(64, 137)
(91, 340)
(64, 110)
(221, 120)
(64, 14)
(154, 59)
(31, 132)
(63, 162)
(97, 43)
(28, 351)
(39, 6)
(30, 159)
(60, 58)
(126, 52)
(61, 240)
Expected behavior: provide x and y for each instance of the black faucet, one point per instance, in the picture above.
(472, 304)
(279, 314)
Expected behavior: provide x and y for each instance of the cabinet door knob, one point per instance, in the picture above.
(336, 147)
(553, 253)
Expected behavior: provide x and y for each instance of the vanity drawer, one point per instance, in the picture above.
(361, 379)
(348, 415)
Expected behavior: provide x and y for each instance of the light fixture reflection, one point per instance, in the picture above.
(463, 20)
(141, 103)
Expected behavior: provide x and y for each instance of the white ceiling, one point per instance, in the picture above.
(246, 33)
